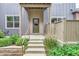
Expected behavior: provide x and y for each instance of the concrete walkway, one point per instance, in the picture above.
(35, 46)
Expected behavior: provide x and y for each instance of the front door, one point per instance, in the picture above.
(35, 25)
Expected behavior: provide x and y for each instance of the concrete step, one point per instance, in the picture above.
(36, 39)
(35, 50)
(35, 46)
(29, 54)
(35, 42)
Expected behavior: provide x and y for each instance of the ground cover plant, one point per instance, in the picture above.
(54, 49)
(14, 39)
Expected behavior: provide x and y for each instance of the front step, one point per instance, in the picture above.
(35, 42)
(39, 54)
(35, 50)
(35, 46)
(37, 37)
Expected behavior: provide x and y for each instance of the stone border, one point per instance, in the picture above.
(11, 51)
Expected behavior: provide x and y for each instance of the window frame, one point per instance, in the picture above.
(13, 22)
(62, 17)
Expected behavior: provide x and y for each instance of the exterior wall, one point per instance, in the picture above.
(8, 9)
(60, 9)
(63, 10)
(13, 9)
(24, 22)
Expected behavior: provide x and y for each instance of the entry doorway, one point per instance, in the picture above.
(36, 25)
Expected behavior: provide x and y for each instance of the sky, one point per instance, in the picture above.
(77, 5)
(43, 1)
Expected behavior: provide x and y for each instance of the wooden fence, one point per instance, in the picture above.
(65, 31)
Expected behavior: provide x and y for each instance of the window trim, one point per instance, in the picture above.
(13, 21)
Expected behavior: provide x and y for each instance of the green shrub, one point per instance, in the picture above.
(19, 42)
(50, 42)
(56, 51)
(5, 42)
(25, 42)
(66, 50)
(1, 34)
(15, 37)
(71, 49)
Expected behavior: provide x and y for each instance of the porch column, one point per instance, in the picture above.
(49, 22)
(20, 20)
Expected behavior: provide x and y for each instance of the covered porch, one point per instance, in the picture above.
(35, 18)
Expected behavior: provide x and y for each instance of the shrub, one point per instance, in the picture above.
(71, 49)
(25, 42)
(5, 42)
(1, 34)
(50, 42)
(14, 37)
(66, 50)
(57, 51)
(19, 42)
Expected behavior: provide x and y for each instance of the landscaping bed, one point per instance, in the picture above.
(54, 49)
(12, 45)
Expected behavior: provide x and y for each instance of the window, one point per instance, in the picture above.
(12, 22)
(57, 19)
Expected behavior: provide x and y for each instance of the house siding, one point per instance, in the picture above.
(12, 9)
(8, 9)
(56, 9)
(24, 22)
(60, 10)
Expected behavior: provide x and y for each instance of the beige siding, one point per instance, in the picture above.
(71, 31)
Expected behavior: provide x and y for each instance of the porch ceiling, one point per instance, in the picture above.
(35, 5)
